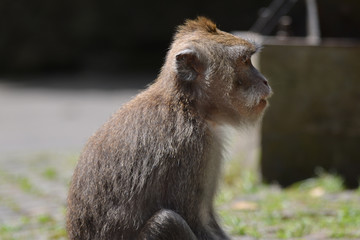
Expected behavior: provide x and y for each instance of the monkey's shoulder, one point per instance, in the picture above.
(148, 124)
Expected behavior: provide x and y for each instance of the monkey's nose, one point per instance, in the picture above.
(266, 82)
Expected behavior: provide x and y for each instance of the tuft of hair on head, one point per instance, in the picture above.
(198, 24)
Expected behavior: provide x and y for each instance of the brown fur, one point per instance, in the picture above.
(207, 29)
(151, 171)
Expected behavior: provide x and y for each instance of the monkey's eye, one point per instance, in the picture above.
(246, 60)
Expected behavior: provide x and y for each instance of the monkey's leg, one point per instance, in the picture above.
(165, 225)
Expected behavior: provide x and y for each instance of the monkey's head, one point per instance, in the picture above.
(214, 70)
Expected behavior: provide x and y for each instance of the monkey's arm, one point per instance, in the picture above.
(217, 229)
(165, 225)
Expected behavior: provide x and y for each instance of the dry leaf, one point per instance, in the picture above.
(245, 206)
(317, 192)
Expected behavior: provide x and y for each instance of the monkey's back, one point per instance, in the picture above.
(135, 165)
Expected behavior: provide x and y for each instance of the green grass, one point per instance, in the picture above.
(34, 227)
(315, 206)
(34, 223)
(50, 173)
(22, 182)
(318, 206)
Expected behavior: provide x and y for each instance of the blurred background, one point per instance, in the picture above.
(117, 36)
(66, 66)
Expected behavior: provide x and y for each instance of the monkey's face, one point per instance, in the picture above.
(250, 89)
(216, 69)
(224, 83)
(237, 89)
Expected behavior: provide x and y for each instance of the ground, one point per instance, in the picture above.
(44, 125)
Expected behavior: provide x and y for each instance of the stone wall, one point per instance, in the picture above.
(314, 117)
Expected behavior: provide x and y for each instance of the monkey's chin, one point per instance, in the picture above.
(261, 106)
(258, 111)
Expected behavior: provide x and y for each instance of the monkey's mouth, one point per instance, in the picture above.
(262, 103)
(264, 100)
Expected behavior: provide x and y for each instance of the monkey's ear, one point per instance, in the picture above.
(188, 65)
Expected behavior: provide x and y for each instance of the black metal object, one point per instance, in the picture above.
(270, 16)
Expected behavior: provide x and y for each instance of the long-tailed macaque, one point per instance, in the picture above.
(151, 171)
